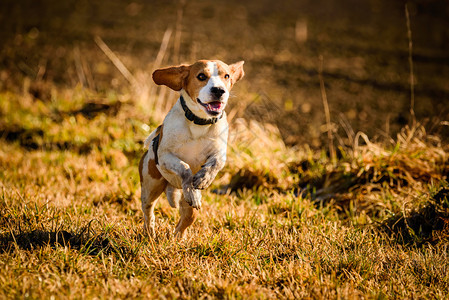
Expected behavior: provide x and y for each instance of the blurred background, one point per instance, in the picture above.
(360, 48)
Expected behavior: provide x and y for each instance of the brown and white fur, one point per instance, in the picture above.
(188, 156)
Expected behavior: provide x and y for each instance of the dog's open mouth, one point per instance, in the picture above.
(213, 108)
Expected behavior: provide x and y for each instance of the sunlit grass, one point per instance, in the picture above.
(286, 223)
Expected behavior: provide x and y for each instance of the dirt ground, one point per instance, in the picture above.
(363, 46)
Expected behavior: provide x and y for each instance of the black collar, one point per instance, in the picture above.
(194, 118)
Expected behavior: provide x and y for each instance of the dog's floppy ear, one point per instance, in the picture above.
(173, 77)
(237, 71)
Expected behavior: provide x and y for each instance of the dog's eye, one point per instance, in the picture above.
(226, 76)
(201, 77)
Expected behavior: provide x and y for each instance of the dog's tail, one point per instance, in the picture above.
(148, 140)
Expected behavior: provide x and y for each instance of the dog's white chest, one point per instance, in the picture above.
(199, 131)
(195, 153)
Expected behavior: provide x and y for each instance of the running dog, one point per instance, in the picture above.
(185, 153)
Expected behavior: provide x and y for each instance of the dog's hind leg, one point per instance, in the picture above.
(188, 216)
(149, 201)
(152, 186)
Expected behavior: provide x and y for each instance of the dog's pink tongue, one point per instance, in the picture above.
(215, 105)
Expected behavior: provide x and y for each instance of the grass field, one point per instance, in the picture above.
(290, 216)
(278, 221)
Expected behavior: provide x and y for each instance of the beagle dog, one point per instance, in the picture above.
(185, 153)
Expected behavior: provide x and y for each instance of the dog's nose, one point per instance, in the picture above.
(217, 92)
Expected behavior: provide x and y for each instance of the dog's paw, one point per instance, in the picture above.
(196, 201)
(192, 196)
(149, 230)
(202, 180)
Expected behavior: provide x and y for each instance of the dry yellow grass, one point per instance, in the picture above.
(278, 222)
(288, 223)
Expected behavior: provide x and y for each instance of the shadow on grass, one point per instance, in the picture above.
(35, 138)
(86, 243)
(427, 225)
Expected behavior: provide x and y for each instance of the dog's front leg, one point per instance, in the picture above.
(183, 178)
(204, 177)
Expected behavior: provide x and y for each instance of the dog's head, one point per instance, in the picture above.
(204, 84)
